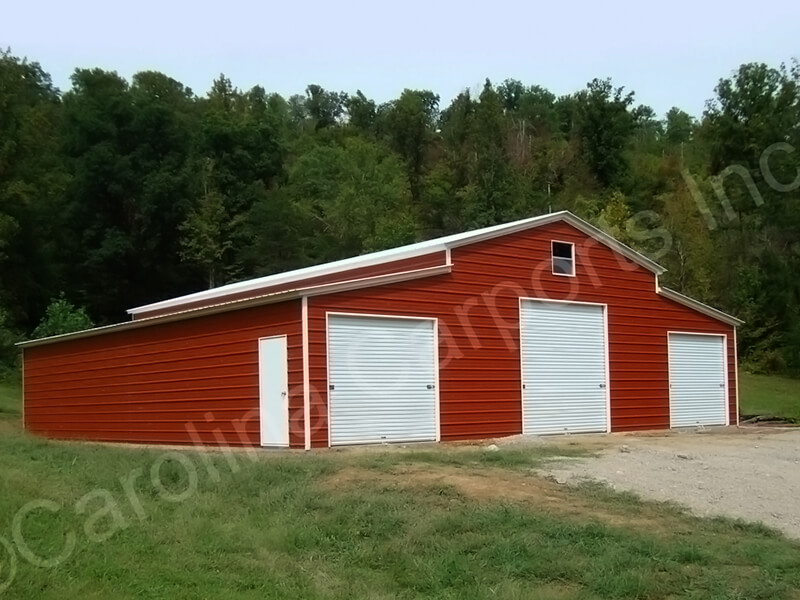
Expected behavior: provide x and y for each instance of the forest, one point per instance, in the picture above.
(117, 193)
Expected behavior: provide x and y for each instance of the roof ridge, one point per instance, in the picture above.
(400, 253)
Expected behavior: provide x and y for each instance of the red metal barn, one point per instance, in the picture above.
(546, 325)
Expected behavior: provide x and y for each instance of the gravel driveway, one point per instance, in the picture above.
(752, 474)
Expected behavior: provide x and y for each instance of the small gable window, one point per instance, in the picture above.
(564, 259)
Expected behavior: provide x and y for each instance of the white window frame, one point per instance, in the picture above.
(553, 258)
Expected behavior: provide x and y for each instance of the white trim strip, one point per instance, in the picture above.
(736, 371)
(329, 288)
(306, 377)
(405, 252)
(24, 428)
(698, 306)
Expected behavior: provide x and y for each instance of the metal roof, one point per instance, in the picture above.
(296, 277)
(698, 306)
(220, 301)
(257, 300)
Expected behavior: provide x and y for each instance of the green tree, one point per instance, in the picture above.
(32, 181)
(355, 198)
(60, 317)
(128, 149)
(606, 125)
(9, 336)
(679, 127)
(324, 107)
(408, 124)
(759, 222)
(209, 232)
(362, 112)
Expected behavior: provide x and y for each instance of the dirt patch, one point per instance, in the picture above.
(492, 485)
(752, 474)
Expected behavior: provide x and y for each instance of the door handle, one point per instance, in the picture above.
(603, 385)
(430, 386)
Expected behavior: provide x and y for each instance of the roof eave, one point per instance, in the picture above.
(699, 306)
(254, 285)
(283, 296)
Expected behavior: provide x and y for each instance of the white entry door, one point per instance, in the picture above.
(273, 390)
(697, 380)
(564, 371)
(382, 380)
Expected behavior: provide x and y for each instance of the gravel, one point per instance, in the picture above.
(750, 475)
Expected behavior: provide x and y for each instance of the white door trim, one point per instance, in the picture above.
(735, 371)
(435, 320)
(605, 344)
(262, 400)
(724, 366)
(306, 375)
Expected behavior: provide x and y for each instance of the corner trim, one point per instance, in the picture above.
(306, 378)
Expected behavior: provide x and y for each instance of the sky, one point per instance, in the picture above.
(669, 54)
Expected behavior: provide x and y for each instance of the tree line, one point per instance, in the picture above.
(117, 193)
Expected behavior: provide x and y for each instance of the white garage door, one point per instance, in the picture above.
(564, 383)
(697, 389)
(382, 379)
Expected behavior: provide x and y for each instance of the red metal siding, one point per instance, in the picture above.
(433, 259)
(185, 382)
(478, 309)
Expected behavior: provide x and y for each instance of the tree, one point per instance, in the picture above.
(362, 112)
(615, 217)
(128, 151)
(759, 222)
(126, 192)
(606, 125)
(679, 126)
(209, 232)
(9, 336)
(354, 198)
(408, 124)
(491, 198)
(32, 181)
(62, 317)
(325, 108)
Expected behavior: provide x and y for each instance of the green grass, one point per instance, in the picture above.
(10, 403)
(449, 522)
(769, 395)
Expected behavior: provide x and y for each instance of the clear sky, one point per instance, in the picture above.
(669, 53)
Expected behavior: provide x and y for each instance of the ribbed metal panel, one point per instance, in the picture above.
(563, 368)
(185, 382)
(697, 380)
(477, 306)
(382, 375)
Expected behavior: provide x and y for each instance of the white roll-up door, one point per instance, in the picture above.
(382, 380)
(697, 374)
(564, 372)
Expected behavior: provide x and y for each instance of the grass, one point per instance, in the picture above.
(769, 395)
(10, 394)
(453, 522)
